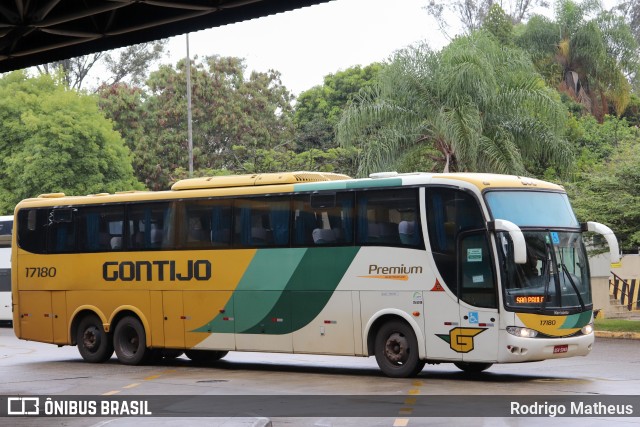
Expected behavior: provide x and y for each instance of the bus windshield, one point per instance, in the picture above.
(555, 278)
(532, 208)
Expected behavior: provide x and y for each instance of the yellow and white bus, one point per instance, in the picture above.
(6, 227)
(470, 269)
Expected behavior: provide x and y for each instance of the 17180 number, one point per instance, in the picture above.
(41, 271)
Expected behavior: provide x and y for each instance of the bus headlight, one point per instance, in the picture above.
(522, 332)
(587, 329)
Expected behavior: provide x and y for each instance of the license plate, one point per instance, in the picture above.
(560, 349)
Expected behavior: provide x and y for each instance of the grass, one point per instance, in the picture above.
(617, 325)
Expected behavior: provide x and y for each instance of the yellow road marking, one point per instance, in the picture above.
(401, 422)
(132, 385)
(152, 377)
(109, 393)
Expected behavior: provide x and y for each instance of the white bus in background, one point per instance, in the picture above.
(6, 227)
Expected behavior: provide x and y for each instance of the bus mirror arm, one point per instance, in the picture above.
(519, 244)
(607, 233)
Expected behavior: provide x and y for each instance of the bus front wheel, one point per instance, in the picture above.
(94, 344)
(396, 350)
(130, 341)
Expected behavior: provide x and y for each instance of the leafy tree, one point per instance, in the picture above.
(606, 187)
(53, 139)
(481, 105)
(318, 110)
(631, 10)
(472, 13)
(124, 105)
(130, 62)
(593, 57)
(498, 23)
(233, 116)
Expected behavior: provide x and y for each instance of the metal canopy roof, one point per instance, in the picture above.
(34, 32)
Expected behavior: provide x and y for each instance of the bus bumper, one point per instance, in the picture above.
(516, 349)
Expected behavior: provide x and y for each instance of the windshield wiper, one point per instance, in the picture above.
(546, 276)
(573, 285)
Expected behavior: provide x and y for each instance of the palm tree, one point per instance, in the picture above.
(481, 105)
(593, 57)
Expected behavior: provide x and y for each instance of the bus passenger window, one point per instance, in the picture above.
(149, 226)
(262, 221)
(389, 218)
(32, 227)
(327, 221)
(207, 224)
(99, 228)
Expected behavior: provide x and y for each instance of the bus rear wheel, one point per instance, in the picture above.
(130, 341)
(94, 344)
(203, 356)
(396, 350)
(473, 367)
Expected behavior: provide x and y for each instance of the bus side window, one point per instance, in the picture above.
(100, 228)
(149, 226)
(323, 225)
(389, 218)
(32, 225)
(207, 224)
(262, 222)
(61, 234)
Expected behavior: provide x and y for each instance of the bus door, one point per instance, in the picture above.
(174, 319)
(477, 337)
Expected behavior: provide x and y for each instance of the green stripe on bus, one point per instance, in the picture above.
(348, 185)
(379, 182)
(259, 289)
(320, 186)
(577, 320)
(308, 291)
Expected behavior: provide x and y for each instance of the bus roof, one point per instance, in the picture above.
(256, 179)
(287, 182)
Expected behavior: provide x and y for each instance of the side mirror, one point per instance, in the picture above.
(519, 244)
(614, 249)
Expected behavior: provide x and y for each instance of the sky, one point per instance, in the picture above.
(307, 44)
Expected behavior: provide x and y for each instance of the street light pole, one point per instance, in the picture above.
(189, 125)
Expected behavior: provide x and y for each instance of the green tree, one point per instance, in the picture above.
(124, 105)
(132, 63)
(498, 23)
(233, 116)
(471, 14)
(606, 187)
(318, 110)
(481, 105)
(56, 140)
(594, 56)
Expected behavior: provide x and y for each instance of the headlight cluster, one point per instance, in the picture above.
(587, 329)
(522, 332)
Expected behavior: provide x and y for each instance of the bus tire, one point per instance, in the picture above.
(94, 344)
(473, 367)
(396, 350)
(130, 341)
(203, 356)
